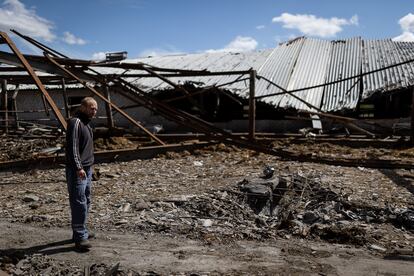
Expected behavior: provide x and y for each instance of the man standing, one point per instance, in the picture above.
(79, 161)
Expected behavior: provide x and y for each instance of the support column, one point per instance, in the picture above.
(4, 105)
(65, 99)
(252, 105)
(108, 107)
(16, 114)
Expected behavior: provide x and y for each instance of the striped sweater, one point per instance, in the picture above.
(79, 142)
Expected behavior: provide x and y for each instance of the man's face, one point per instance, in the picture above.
(91, 109)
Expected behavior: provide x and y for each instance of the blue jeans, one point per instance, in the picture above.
(80, 200)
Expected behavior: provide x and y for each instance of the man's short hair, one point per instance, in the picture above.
(87, 100)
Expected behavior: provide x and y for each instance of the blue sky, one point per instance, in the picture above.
(87, 29)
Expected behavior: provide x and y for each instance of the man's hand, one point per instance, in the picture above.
(81, 174)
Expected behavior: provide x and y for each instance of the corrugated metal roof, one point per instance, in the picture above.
(278, 68)
(297, 64)
(345, 62)
(305, 62)
(218, 61)
(381, 53)
(406, 52)
(378, 54)
(310, 70)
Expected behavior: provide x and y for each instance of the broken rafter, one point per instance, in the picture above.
(178, 116)
(67, 71)
(150, 152)
(101, 156)
(27, 79)
(39, 45)
(176, 86)
(36, 79)
(208, 88)
(177, 72)
(344, 120)
(37, 63)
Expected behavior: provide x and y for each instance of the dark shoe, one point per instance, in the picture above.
(83, 245)
(91, 235)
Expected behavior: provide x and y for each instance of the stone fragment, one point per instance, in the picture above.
(30, 198)
(377, 248)
(310, 217)
(121, 222)
(141, 205)
(207, 222)
(126, 207)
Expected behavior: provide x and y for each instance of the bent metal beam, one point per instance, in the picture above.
(36, 79)
(68, 72)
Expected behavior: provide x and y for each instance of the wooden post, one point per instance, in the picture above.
(252, 105)
(65, 99)
(412, 117)
(108, 107)
(4, 105)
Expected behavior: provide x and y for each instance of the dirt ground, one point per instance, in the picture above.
(189, 213)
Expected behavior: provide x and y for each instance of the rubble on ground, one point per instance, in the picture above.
(222, 194)
(19, 263)
(200, 194)
(12, 148)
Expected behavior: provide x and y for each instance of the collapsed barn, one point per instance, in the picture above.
(356, 78)
(213, 189)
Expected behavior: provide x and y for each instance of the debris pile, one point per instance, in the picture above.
(113, 143)
(379, 149)
(18, 262)
(219, 195)
(280, 206)
(24, 149)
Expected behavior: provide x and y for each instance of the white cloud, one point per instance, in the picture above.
(354, 20)
(407, 27)
(260, 27)
(311, 25)
(99, 56)
(72, 39)
(405, 36)
(14, 15)
(407, 23)
(239, 44)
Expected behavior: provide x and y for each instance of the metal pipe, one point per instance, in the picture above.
(252, 105)
(108, 107)
(14, 98)
(65, 99)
